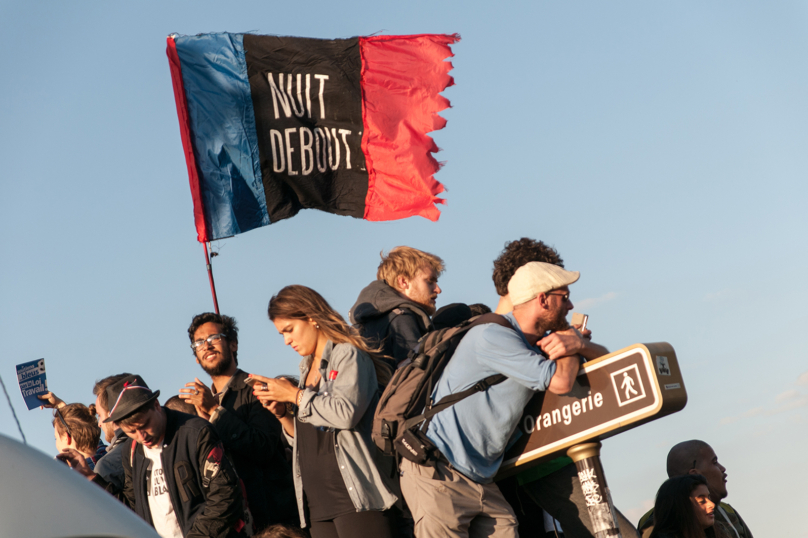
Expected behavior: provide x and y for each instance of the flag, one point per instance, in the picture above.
(271, 125)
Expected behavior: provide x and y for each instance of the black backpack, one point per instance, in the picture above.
(405, 407)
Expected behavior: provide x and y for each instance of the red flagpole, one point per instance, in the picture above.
(210, 277)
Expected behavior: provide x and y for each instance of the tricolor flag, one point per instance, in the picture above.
(271, 125)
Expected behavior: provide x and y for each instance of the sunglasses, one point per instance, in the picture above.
(64, 423)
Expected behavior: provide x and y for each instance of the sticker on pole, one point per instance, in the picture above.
(663, 368)
(32, 380)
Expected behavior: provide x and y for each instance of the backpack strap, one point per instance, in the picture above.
(481, 386)
(451, 399)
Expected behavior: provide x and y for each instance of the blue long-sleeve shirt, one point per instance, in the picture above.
(473, 434)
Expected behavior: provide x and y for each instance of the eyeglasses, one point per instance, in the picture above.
(64, 423)
(212, 339)
(564, 296)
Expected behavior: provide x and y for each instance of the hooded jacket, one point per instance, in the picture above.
(387, 318)
(203, 487)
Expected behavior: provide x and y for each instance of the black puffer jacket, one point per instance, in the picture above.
(202, 485)
(385, 317)
(253, 438)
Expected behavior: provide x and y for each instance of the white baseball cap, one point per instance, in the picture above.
(534, 278)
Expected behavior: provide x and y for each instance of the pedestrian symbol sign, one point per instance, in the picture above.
(628, 385)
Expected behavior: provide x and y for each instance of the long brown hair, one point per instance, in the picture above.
(674, 513)
(300, 302)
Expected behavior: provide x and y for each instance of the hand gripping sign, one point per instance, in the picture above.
(612, 394)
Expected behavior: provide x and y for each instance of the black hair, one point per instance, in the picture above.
(227, 323)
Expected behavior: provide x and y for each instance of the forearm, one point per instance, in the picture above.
(564, 377)
(288, 424)
(591, 350)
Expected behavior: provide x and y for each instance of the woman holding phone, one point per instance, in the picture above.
(341, 491)
(683, 509)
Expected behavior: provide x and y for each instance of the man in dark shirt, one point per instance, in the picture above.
(175, 474)
(395, 310)
(251, 435)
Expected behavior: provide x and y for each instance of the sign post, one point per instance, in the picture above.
(593, 483)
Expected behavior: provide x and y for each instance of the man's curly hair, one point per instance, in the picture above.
(518, 253)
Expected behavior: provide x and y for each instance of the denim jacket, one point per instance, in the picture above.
(348, 408)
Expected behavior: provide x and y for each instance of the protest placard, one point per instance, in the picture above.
(32, 380)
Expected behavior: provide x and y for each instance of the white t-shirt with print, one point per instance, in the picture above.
(162, 511)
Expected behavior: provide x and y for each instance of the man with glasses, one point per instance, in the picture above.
(458, 497)
(548, 485)
(176, 476)
(251, 434)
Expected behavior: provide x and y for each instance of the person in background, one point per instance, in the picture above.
(251, 435)
(176, 476)
(684, 509)
(343, 489)
(74, 426)
(697, 457)
(393, 312)
(110, 466)
(108, 458)
(178, 404)
(281, 531)
(478, 309)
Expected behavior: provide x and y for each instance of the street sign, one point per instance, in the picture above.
(612, 394)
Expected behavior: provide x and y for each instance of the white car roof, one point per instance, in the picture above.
(44, 498)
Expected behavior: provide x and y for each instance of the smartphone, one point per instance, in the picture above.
(251, 381)
(579, 319)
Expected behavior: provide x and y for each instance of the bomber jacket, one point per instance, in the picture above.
(348, 408)
(202, 485)
(389, 320)
(253, 438)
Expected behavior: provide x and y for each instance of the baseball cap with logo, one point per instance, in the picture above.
(534, 278)
(128, 396)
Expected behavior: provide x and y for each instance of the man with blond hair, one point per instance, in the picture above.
(395, 310)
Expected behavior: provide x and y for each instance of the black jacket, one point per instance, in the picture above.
(110, 466)
(253, 438)
(386, 318)
(202, 485)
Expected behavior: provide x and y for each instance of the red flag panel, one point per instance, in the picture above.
(402, 77)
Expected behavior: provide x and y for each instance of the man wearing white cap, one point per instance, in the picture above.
(458, 497)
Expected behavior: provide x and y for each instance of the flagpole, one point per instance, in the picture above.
(210, 277)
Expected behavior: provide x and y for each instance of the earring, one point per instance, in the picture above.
(316, 325)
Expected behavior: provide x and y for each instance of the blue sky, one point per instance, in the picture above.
(659, 146)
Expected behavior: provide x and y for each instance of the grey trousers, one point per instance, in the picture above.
(560, 494)
(453, 506)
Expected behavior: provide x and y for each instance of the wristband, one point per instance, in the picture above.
(299, 397)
